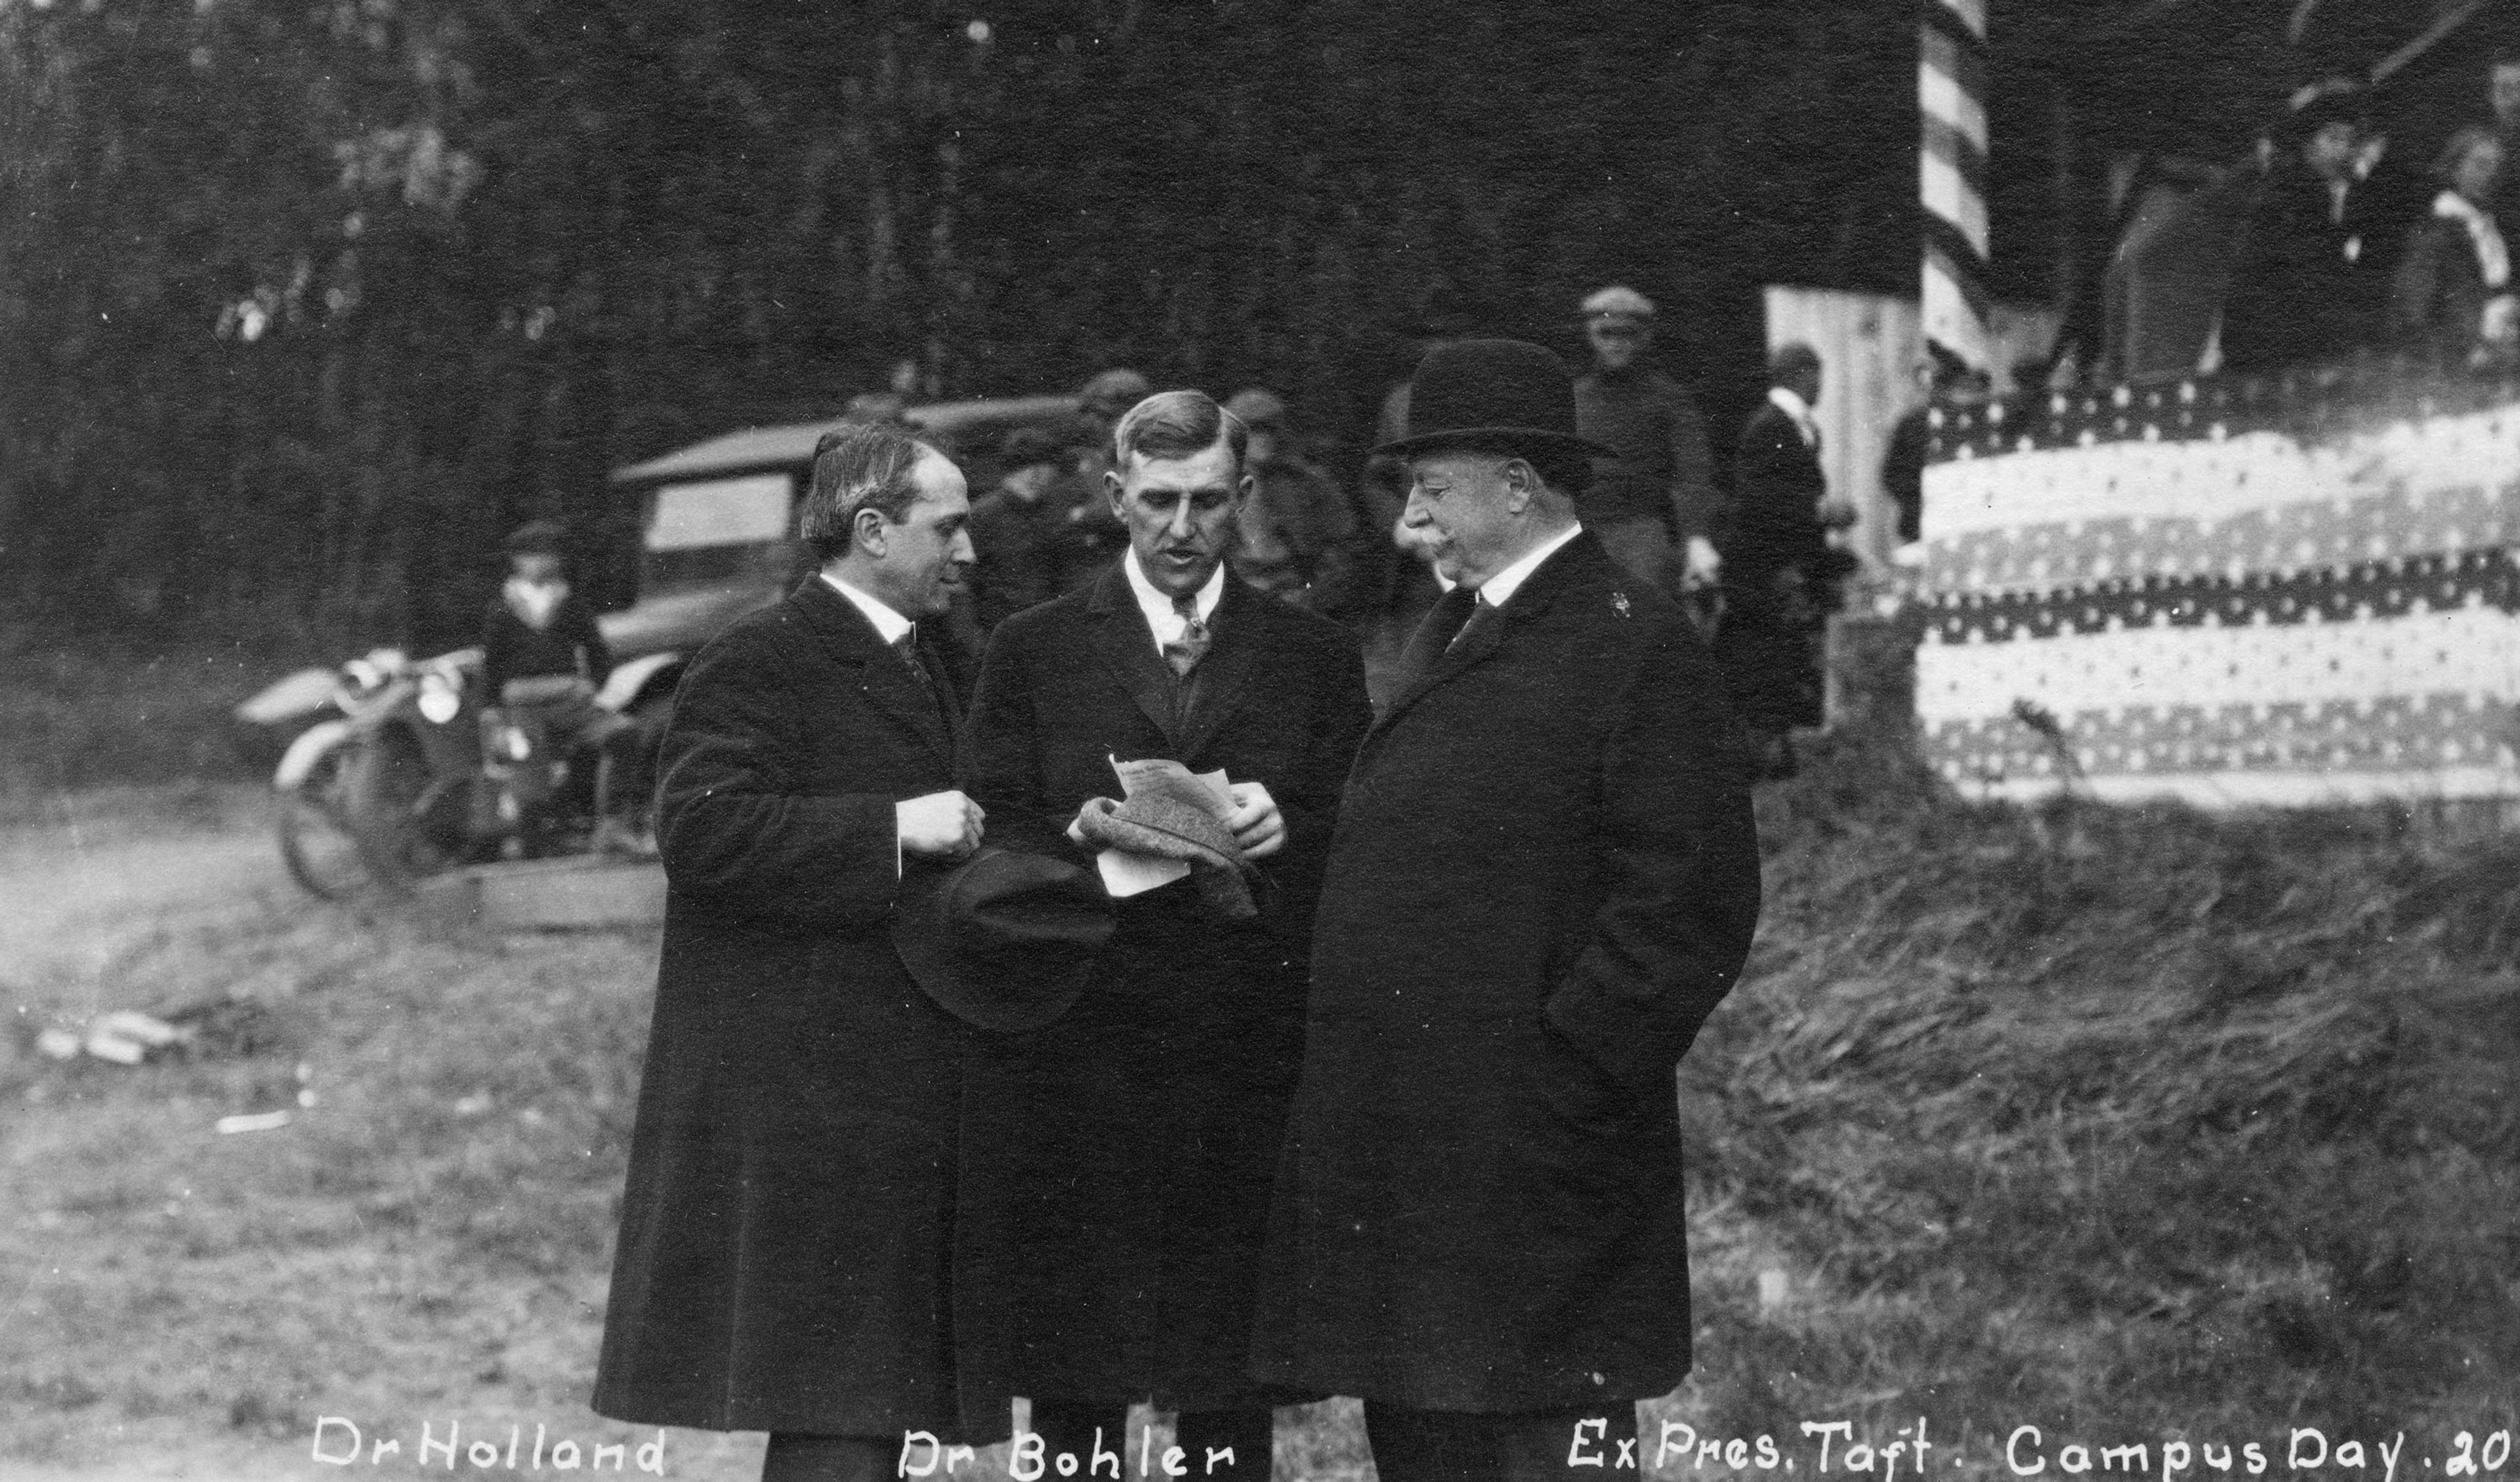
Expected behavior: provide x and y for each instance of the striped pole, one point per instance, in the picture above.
(1950, 168)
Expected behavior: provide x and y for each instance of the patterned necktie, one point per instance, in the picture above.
(907, 646)
(1185, 653)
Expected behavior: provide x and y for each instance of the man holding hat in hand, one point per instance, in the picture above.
(1543, 879)
(1653, 502)
(1117, 1161)
(782, 1261)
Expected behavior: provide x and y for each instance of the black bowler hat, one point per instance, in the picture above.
(1003, 940)
(1492, 390)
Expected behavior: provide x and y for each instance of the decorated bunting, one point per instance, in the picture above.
(2227, 592)
(1950, 164)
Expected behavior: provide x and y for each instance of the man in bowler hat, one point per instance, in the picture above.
(782, 1261)
(1544, 879)
(1117, 1162)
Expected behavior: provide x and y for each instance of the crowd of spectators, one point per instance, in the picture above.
(1751, 557)
(2352, 249)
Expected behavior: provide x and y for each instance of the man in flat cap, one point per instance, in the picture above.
(1117, 1163)
(1545, 876)
(1016, 528)
(1652, 503)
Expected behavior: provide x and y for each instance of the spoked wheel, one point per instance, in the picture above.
(397, 815)
(316, 841)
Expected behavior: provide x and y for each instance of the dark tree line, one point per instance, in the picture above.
(303, 302)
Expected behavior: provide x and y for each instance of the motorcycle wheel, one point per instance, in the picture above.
(389, 804)
(316, 841)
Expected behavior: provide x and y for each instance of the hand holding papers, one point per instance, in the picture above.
(1172, 824)
(1257, 825)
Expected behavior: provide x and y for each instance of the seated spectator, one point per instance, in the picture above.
(2312, 279)
(540, 648)
(1294, 535)
(2452, 293)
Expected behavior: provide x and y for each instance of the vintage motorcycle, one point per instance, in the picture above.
(394, 775)
(410, 775)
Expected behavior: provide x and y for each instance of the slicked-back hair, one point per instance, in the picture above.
(861, 466)
(1177, 425)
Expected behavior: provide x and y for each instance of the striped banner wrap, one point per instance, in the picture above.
(1950, 168)
(2227, 592)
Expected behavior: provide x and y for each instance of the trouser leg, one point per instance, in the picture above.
(794, 1456)
(1246, 1435)
(1442, 1446)
(1071, 1425)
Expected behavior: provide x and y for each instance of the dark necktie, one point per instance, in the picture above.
(1435, 633)
(1482, 614)
(1185, 653)
(907, 646)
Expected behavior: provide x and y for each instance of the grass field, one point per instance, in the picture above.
(2132, 1127)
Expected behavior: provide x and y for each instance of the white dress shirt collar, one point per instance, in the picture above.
(888, 624)
(1790, 402)
(1166, 623)
(1497, 590)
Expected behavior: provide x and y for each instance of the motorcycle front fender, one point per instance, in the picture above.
(291, 698)
(312, 745)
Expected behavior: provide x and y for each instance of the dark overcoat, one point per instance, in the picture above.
(2311, 283)
(787, 1226)
(1777, 574)
(1545, 876)
(1117, 1164)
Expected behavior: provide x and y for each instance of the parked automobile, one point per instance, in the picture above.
(381, 777)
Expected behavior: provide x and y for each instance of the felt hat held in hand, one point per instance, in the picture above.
(1003, 940)
(1167, 828)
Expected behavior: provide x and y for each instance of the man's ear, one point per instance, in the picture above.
(867, 532)
(1111, 489)
(1520, 483)
(1243, 488)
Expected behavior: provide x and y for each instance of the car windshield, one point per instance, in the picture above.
(717, 531)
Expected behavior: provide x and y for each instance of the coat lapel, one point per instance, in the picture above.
(887, 682)
(1128, 648)
(1539, 590)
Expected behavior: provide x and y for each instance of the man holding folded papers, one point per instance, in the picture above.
(1116, 1165)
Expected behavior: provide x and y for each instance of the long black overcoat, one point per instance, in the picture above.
(1778, 575)
(1117, 1165)
(1545, 876)
(786, 1230)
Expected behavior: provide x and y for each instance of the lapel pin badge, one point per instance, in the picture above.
(1619, 600)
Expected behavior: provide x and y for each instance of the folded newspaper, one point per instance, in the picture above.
(1169, 823)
